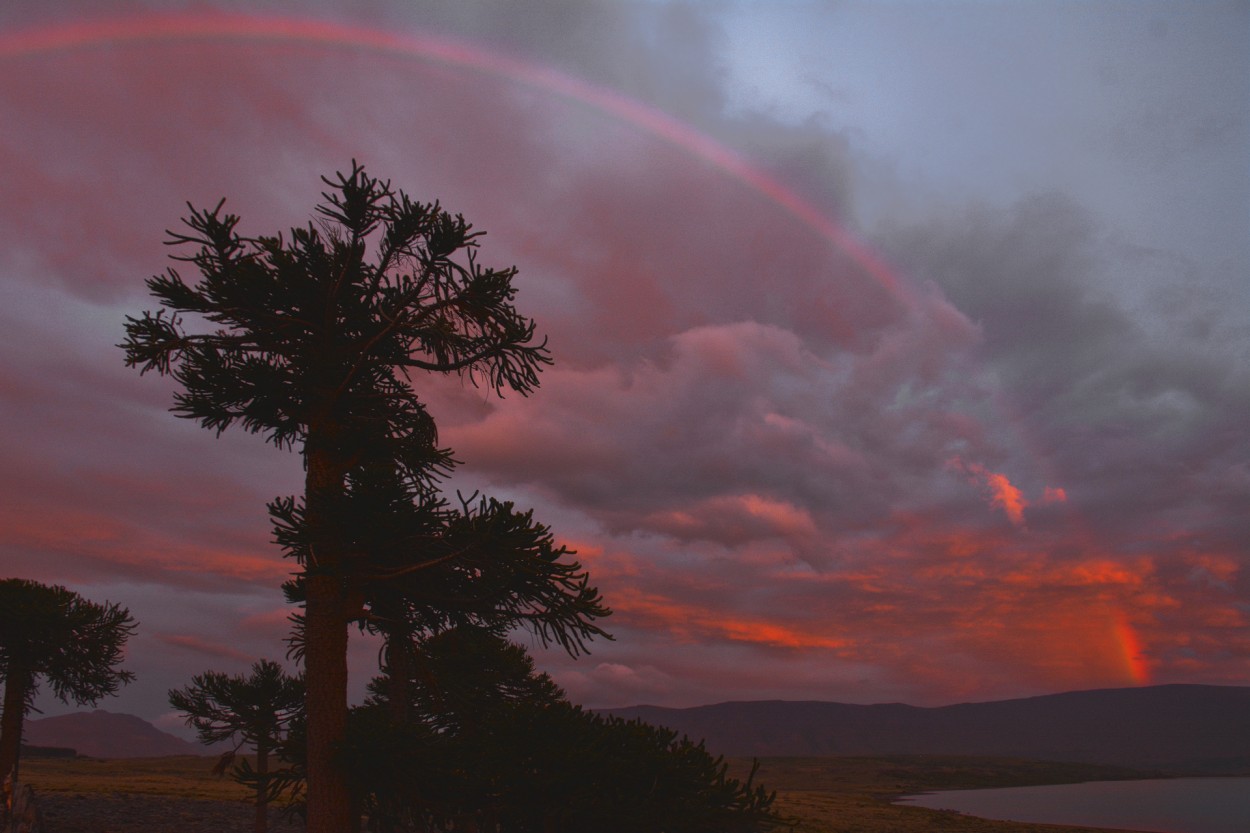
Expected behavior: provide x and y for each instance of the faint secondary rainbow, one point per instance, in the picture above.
(157, 27)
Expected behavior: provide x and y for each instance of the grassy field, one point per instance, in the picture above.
(825, 795)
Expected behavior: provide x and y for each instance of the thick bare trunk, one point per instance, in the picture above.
(325, 647)
(325, 663)
(16, 684)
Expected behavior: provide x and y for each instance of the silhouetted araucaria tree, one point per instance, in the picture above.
(54, 635)
(256, 709)
(313, 344)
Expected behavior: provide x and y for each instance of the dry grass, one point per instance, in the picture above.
(178, 777)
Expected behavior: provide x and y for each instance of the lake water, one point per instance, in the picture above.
(1176, 805)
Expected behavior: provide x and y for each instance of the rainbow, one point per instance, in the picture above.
(1136, 664)
(201, 26)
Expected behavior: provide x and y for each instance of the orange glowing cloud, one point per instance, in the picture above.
(692, 622)
(1056, 641)
(1003, 493)
(963, 614)
(1036, 572)
(1029, 616)
(1007, 496)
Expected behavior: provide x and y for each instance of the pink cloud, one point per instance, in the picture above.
(745, 435)
(1007, 497)
(1054, 495)
(736, 519)
(205, 647)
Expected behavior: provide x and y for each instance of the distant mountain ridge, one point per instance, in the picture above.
(1182, 728)
(103, 734)
(1196, 729)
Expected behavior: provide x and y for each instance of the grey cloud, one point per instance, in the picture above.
(1128, 412)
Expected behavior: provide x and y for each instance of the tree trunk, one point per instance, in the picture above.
(325, 646)
(16, 686)
(325, 665)
(262, 787)
(399, 666)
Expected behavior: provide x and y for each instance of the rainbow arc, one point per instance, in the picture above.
(223, 26)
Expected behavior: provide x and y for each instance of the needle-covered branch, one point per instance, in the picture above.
(243, 710)
(425, 567)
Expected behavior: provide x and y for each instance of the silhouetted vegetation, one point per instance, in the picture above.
(53, 635)
(433, 567)
(314, 345)
(255, 710)
(487, 743)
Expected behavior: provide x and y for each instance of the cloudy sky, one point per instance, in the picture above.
(902, 349)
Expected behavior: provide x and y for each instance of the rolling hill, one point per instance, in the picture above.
(1182, 728)
(103, 734)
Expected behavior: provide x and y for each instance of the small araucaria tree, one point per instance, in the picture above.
(256, 710)
(54, 635)
(313, 344)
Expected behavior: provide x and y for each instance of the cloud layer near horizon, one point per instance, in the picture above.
(1025, 470)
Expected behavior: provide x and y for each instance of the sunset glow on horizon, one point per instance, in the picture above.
(870, 383)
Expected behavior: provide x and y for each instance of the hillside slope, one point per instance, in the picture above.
(103, 734)
(1192, 728)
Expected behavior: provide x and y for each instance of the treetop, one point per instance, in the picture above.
(307, 332)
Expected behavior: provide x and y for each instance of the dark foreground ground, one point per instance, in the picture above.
(824, 795)
(128, 813)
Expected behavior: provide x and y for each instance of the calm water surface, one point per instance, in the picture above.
(1177, 805)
